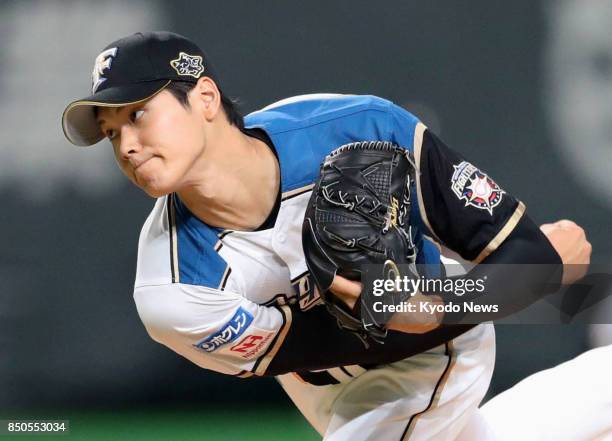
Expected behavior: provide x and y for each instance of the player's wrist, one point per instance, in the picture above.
(419, 314)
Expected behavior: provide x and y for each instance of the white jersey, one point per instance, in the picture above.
(221, 298)
(240, 303)
(222, 326)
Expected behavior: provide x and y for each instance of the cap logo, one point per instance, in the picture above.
(102, 63)
(188, 65)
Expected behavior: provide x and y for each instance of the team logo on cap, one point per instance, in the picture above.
(102, 63)
(475, 188)
(187, 64)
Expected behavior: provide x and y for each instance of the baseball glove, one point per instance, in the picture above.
(359, 214)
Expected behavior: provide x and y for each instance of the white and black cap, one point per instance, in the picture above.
(131, 70)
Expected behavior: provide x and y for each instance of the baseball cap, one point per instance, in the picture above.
(131, 70)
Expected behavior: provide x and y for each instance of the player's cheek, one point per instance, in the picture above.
(132, 177)
(157, 177)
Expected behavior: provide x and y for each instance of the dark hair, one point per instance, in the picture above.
(180, 89)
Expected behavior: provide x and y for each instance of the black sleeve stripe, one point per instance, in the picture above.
(226, 275)
(342, 368)
(437, 392)
(217, 248)
(262, 363)
(339, 374)
(367, 366)
(277, 300)
(299, 277)
(329, 376)
(503, 233)
(171, 211)
(322, 378)
(419, 130)
(224, 233)
(219, 243)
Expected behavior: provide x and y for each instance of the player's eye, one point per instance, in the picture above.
(111, 134)
(136, 115)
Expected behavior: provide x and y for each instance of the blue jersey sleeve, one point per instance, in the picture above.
(402, 125)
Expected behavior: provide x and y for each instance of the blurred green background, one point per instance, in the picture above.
(185, 424)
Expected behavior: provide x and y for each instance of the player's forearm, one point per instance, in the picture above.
(521, 271)
(315, 341)
(524, 269)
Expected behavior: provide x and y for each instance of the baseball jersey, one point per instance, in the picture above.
(229, 300)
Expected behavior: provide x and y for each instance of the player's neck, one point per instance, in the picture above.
(235, 183)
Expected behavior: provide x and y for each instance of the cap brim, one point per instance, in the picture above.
(79, 119)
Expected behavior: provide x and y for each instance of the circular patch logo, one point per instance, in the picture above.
(475, 188)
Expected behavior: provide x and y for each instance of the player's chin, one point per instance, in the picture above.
(154, 186)
(155, 193)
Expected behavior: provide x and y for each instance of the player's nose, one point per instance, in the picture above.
(129, 144)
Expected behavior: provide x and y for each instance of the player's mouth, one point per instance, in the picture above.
(136, 164)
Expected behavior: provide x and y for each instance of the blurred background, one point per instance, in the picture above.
(522, 88)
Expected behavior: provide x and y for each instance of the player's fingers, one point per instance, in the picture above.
(545, 228)
(566, 223)
(561, 223)
(567, 228)
(346, 290)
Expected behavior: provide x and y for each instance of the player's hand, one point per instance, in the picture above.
(420, 321)
(417, 322)
(346, 290)
(570, 242)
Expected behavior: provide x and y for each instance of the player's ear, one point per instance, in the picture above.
(207, 98)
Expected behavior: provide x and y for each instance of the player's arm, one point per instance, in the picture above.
(455, 215)
(217, 330)
(465, 210)
(468, 212)
(225, 332)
